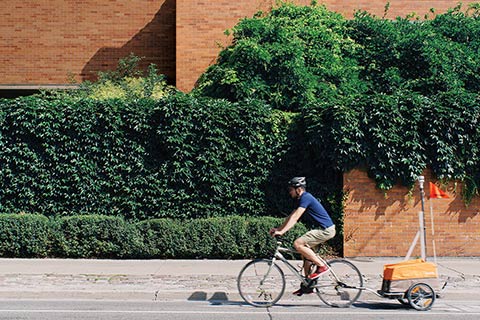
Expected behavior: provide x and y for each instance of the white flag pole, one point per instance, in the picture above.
(421, 220)
(423, 235)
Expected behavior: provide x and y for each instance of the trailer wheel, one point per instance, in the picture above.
(421, 296)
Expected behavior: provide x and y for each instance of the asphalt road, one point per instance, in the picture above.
(207, 310)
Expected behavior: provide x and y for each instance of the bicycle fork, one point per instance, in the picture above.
(268, 271)
(262, 292)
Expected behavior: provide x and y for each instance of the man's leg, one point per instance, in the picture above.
(312, 239)
(308, 254)
(307, 267)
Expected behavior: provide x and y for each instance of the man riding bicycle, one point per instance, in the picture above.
(311, 210)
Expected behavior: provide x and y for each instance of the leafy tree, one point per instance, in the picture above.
(290, 57)
(393, 96)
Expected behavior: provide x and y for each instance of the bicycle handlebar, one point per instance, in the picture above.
(279, 239)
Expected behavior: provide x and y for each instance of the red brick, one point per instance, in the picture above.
(375, 226)
(43, 42)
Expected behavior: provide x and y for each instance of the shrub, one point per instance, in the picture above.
(104, 237)
(97, 236)
(128, 89)
(231, 237)
(24, 236)
(163, 238)
(126, 82)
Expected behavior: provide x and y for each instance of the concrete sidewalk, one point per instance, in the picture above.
(181, 279)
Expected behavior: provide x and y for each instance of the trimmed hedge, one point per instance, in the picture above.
(229, 237)
(96, 236)
(25, 236)
(106, 237)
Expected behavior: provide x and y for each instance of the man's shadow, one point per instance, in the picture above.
(217, 298)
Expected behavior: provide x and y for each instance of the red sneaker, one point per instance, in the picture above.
(320, 270)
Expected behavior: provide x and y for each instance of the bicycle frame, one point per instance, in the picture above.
(279, 256)
(262, 275)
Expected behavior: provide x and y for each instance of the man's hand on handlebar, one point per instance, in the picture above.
(275, 233)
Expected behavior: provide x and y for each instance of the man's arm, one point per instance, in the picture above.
(289, 222)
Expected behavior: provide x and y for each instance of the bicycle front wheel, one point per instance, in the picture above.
(261, 283)
(340, 287)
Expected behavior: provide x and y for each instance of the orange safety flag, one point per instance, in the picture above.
(435, 192)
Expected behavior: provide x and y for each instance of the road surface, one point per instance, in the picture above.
(235, 310)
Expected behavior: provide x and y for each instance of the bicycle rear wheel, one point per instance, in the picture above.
(261, 283)
(343, 292)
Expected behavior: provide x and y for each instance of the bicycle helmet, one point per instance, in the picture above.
(297, 182)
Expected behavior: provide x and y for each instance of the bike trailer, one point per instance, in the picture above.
(399, 277)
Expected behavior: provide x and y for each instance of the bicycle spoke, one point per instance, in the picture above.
(421, 296)
(261, 283)
(340, 286)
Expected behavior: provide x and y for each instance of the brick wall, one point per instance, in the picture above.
(54, 41)
(385, 224)
(200, 25)
(50, 41)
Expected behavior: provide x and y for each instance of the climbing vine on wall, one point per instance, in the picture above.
(394, 96)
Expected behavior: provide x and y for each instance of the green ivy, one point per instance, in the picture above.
(288, 58)
(393, 96)
(426, 75)
(180, 156)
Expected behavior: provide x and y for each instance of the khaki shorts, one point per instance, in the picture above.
(314, 238)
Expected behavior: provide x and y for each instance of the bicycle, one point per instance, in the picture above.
(261, 282)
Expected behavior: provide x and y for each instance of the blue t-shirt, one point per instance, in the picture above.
(315, 213)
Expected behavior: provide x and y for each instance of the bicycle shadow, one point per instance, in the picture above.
(276, 306)
(380, 305)
(375, 305)
(221, 298)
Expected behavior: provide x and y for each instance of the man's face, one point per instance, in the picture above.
(292, 192)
